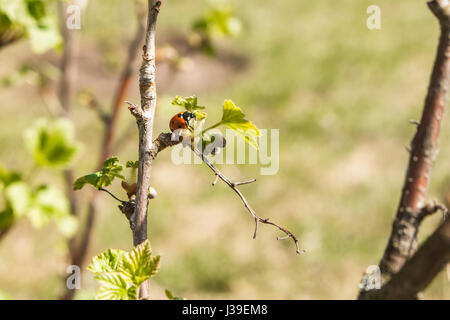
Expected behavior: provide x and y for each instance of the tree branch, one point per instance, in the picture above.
(424, 149)
(144, 118)
(233, 186)
(419, 271)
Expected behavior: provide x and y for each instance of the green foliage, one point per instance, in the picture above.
(132, 164)
(121, 273)
(170, 295)
(218, 22)
(232, 117)
(40, 205)
(36, 19)
(6, 218)
(111, 169)
(188, 103)
(51, 144)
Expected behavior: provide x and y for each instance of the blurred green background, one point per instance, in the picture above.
(342, 96)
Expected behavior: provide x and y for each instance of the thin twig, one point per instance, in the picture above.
(111, 194)
(233, 186)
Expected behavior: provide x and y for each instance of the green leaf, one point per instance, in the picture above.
(8, 177)
(188, 103)
(111, 169)
(139, 265)
(43, 38)
(170, 296)
(33, 19)
(107, 261)
(199, 115)
(114, 286)
(47, 203)
(19, 197)
(219, 22)
(234, 118)
(40, 206)
(51, 144)
(132, 164)
(92, 179)
(121, 273)
(6, 218)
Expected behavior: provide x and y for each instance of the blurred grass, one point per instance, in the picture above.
(342, 97)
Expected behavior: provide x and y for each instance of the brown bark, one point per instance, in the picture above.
(420, 270)
(424, 149)
(144, 118)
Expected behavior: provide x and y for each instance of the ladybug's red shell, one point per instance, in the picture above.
(177, 122)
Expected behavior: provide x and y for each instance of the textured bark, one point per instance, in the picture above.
(144, 118)
(424, 149)
(420, 270)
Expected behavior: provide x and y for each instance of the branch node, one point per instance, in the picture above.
(135, 110)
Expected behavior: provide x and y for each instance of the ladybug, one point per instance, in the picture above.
(181, 120)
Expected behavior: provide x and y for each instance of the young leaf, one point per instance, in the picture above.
(92, 179)
(51, 144)
(132, 164)
(218, 22)
(111, 169)
(139, 265)
(107, 261)
(170, 296)
(31, 18)
(18, 195)
(188, 103)
(200, 115)
(234, 118)
(120, 273)
(8, 177)
(114, 287)
(47, 203)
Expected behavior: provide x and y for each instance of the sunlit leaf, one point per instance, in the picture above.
(51, 143)
(132, 164)
(139, 265)
(114, 286)
(47, 203)
(188, 103)
(120, 273)
(219, 21)
(19, 197)
(111, 169)
(234, 118)
(33, 19)
(107, 261)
